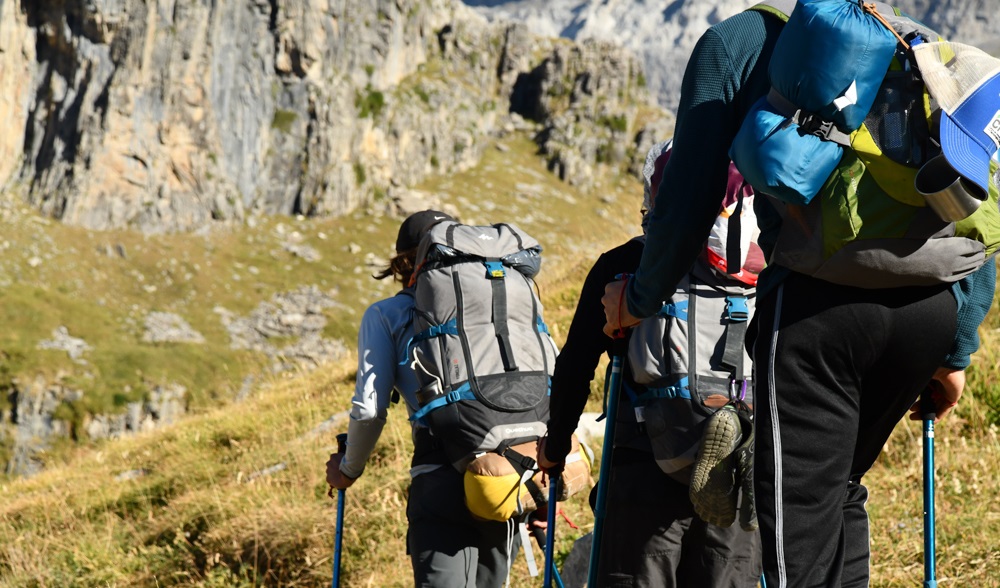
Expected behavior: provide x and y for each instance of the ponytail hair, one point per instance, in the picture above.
(400, 268)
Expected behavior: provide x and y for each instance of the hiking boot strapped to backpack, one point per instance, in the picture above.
(689, 361)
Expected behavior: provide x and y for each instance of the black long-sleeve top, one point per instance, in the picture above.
(581, 354)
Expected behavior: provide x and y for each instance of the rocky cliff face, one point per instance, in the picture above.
(166, 114)
(663, 32)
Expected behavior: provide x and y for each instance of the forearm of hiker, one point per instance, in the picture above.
(579, 358)
(694, 178)
(361, 439)
(975, 297)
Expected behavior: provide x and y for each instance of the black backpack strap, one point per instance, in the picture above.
(520, 463)
(495, 272)
(692, 321)
(737, 317)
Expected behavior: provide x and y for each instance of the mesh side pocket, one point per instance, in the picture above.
(896, 120)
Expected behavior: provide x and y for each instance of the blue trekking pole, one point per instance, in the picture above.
(339, 540)
(928, 414)
(612, 390)
(551, 571)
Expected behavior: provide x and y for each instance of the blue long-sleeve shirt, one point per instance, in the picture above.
(386, 328)
(726, 75)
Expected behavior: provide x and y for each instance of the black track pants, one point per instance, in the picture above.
(653, 538)
(836, 369)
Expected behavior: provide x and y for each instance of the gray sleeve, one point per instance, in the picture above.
(361, 439)
(372, 391)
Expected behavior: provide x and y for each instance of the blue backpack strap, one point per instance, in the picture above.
(678, 310)
(463, 392)
(448, 328)
(679, 389)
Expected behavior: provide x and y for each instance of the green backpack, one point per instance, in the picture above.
(868, 226)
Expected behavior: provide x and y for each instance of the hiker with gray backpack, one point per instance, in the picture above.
(871, 145)
(668, 502)
(464, 346)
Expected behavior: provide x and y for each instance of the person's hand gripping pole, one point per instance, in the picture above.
(617, 317)
(341, 483)
(554, 471)
(614, 308)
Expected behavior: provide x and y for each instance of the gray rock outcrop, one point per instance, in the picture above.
(32, 424)
(164, 406)
(61, 340)
(34, 420)
(296, 316)
(167, 327)
(168, 115)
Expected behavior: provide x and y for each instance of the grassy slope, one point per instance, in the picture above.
(200, 517)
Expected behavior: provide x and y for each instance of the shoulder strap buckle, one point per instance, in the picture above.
(736, 308)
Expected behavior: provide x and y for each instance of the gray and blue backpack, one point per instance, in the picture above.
(481, 351)
(688, 361)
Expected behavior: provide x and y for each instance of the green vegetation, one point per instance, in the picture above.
(283, 120)
(359, 173)
(617, 123)
(187, 505)
(370, 103)
(422, 93)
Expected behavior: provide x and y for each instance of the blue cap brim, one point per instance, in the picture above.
(964, 140)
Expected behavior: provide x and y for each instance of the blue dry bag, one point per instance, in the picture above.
(776, 158)
(830, 60)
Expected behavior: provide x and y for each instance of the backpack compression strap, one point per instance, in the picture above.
(463, 392)
(738, 314)
(496, 274)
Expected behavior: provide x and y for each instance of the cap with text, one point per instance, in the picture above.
(965, 81)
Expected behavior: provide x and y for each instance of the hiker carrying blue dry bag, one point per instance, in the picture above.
(867, 249)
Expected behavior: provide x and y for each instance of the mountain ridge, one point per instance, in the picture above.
(663, 32)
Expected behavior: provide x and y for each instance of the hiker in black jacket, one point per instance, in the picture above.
(652, 536)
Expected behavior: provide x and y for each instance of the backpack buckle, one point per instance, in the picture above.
(736, 308)
(494, 269)
(812, 124)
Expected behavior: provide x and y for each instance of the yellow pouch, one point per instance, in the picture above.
(494, 491)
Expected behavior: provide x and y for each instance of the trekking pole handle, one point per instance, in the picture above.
(619, 335)
(338, 544)
(927, 409)
(928, 414)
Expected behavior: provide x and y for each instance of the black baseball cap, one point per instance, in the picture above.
(416, 226)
